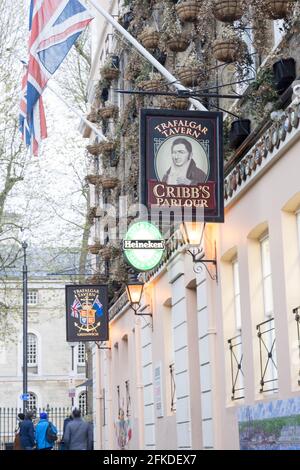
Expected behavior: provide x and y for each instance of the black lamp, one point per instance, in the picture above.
(134, 293)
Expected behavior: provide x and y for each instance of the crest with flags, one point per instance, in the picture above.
(54, 27)
(87, 312)
(75, 308)
(98, 307)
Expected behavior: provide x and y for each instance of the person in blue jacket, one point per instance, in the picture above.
(41, 433)
(27, 432)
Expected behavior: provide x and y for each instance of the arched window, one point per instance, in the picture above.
(82, 403)
(32, 350)
(32, 402)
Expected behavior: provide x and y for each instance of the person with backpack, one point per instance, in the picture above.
(45, 433)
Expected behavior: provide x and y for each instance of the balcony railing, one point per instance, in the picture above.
(267, 352)
(128, 399)
(296, 312)
(237, 374)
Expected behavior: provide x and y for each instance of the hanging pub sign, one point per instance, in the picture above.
(182, 163)
(87, 313)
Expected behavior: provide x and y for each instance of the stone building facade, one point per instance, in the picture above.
(50, 372)
(212, 346)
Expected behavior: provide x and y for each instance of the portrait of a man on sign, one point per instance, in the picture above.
(181, 164)
(181, 161)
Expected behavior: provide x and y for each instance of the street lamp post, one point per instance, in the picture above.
(25, 324)
(72, 369)
(72, 380)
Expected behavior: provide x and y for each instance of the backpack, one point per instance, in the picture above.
(51, 435)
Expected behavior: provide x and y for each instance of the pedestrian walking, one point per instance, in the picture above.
(27, 432)
(45, 433)
(78, 435)
(17, 441)
(62, 444)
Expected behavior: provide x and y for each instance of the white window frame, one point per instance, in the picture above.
(83, 408)
(32, 350)
(81, 354)
(32, 398)
(32, 297)
(266, 270)
(236, 295)
(267, 285)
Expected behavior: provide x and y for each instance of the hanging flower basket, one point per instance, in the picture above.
(95, 248)
(93, 116)
(188, 76)
(106, 253)
(240, 129)
(227, 11)
(276, 9)
(151, 85)
(119, 274)
(149, 39)
(86, 132)
(107, 147)
(93, 179)
(91, 214)
(178, 44)
(178, 103)
(93, 149)
(227, 50)
(108, 112)
(109, 182)
(111, 73)
(188, 10)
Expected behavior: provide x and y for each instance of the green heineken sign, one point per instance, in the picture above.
(143, 246)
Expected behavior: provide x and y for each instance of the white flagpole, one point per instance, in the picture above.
(88, 123)
(169, 77)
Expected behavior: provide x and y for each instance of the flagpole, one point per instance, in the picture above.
(168, 76)
(88, 123)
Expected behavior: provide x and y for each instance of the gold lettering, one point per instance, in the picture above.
(156, 188)
(159, 201)
(170, 191)
(195, 193)
(188, 203)
(205, 192)
(185, 192)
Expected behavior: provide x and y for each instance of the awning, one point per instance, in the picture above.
(87, 383)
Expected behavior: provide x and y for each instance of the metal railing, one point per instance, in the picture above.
(267, 352)
(237, 374)
(173, 387)
(296, 312)
(128, 399)
(9, 423)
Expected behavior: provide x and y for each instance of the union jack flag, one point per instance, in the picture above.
(54, 27)
(98, 306)
(74, 308)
